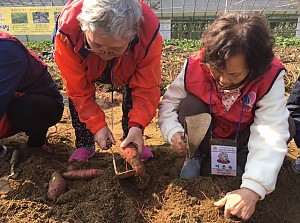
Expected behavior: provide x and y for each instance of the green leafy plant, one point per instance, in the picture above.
(287, 42)
(183, 44)
(44, 45)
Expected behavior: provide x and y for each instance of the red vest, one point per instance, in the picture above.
(200, 83)
(70, 26)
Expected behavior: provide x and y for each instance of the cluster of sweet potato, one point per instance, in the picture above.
(58, 184)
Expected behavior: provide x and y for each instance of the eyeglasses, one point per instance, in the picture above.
(88, 45)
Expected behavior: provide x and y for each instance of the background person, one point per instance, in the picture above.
(293, 105)
(29, 98)
(112, 42)
(236, 78)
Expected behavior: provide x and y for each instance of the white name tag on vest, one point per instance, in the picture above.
(223, 155)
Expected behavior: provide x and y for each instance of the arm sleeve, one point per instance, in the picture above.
(79, 89)
(13, 67)
(144, 84)
(168, 107)
(268, 141)
(293, 105)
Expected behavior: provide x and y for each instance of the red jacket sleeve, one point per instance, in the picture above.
(144, 84)
(79, 89)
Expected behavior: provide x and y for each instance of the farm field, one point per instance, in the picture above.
(107, 199)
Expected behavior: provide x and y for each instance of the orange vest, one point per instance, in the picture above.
(199, 82)
(124, 68)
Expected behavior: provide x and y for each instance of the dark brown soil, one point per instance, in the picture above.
(108, 199)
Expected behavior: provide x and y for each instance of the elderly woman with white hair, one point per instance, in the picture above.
(114, 42)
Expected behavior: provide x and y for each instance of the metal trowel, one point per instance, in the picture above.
(4, 183)
(195, 129)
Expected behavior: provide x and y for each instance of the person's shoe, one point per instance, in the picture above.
(191, 168)
(46, 146)
(146, 153)
(82, 154)
(3, 151)
(296, 166)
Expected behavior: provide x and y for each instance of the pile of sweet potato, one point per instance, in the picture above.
(58, 184)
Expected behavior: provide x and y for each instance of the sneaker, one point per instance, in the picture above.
(3, 151)
(191, 168)
(296, 166)
(82, 154)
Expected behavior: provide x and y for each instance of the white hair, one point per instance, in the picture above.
(115, 18)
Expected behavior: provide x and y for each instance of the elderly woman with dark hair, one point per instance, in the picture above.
(112, 42)
(235, 78)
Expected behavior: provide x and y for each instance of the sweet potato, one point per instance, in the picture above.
(57, 186)
(82, 174)
(133, 157)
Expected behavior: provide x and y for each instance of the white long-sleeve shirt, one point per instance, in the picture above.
(268, 133)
